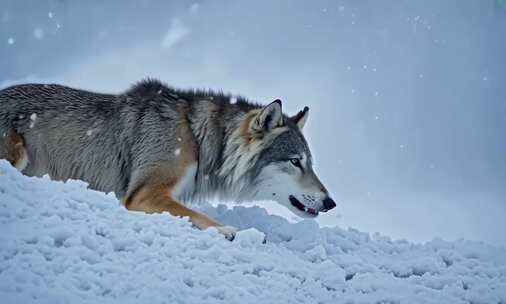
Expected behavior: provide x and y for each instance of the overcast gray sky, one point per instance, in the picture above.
(407, 98)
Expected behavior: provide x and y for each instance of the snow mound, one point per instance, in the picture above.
(63, 243)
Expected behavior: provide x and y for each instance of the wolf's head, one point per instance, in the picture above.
(275, 158)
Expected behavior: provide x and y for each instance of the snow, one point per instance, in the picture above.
(175, 34)
(33, 118)
(64, 243)
(250, 237)
(38, 33)
(194, 8)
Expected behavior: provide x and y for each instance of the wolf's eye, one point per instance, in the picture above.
(296, 162)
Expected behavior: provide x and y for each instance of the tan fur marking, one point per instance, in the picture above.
(157, 198)
(13, 149)
(247, 132)
(245, 126)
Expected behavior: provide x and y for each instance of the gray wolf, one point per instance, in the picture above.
(157, 147)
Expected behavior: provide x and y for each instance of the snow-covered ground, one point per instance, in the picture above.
(63, 243)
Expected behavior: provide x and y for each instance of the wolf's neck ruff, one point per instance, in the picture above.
(243, 147)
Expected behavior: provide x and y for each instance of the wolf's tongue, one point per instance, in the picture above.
(312, 211)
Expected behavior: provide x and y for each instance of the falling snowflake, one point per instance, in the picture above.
(33, 118)
(38, 33)
(194, 8)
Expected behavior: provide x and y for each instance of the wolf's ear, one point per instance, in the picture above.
(300, 118)
(269, 117)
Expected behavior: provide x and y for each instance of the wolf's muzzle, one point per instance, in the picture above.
(328, 204)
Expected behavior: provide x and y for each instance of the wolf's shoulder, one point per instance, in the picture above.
(154, 89)
(148, 87)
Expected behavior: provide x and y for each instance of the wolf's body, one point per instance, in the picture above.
(155, 146)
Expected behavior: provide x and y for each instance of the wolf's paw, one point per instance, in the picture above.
(228, 231)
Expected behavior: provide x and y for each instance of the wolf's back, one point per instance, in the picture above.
(18, 102)
(69, 133)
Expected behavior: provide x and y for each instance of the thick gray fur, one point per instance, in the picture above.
(113, 141)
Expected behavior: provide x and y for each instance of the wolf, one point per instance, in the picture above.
(159, 148)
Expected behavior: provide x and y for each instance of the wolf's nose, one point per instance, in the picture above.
(328, 203)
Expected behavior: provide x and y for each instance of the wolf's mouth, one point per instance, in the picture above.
(300, 206)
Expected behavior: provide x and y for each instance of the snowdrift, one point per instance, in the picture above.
(63, 243)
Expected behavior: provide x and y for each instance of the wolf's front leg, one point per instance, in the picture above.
(157, 198)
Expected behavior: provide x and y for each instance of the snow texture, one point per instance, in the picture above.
(63, 243)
